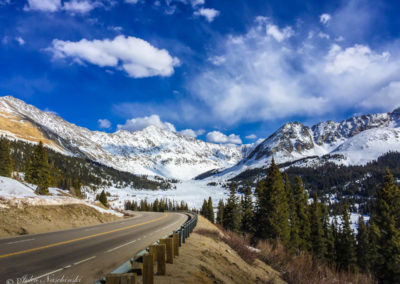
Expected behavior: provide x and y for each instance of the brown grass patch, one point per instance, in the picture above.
(303, 269)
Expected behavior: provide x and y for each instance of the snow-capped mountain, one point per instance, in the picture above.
(151, 151)
(154, 151)
(357, 140)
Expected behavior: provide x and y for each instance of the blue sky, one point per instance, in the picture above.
(218, 70)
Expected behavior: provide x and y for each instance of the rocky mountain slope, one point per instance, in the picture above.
(151, 151)
(154, 151)
(354, 141)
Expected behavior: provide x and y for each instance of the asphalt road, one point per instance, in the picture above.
(81, 255)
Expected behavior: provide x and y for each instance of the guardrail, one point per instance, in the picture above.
(161, 251)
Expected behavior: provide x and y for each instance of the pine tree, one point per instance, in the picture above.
(204, 209)
(386, 219)
(220, 212)
(6, 162)
(317, 233)
(345, 251)
(231, 215)
(362, 246)
(247, 212)
(210, 210)
(103, 198)
(300, 198)
(39, 171)
(272, 218)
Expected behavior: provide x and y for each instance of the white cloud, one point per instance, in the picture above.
(71, 6)
(140, 123)
(325, 18)
(104, 123)
(219, 137)
(132, 1)
(323, 35)
(279, 34)
(209, 13)
(79, 6)
(44, 5)
(20, 40)
(191, 132)
(197, 2)
(251, 136)
(261, 80)
(217, 60)
(135, 56)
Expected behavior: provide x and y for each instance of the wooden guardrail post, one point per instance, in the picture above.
(128, 278)
(175, 238)
(170, 249)
(153, 251)
(161, 251)
(148, 272)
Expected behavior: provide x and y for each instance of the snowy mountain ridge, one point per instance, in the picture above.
(151, 151)
(357, 140)
(154, 151)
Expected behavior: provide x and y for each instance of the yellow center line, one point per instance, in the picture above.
(83, 238)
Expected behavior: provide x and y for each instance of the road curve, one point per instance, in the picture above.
(81, 255)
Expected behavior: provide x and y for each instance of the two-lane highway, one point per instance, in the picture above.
(84, 254)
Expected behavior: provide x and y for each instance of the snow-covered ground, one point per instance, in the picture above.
(15, 193)
(193, 192)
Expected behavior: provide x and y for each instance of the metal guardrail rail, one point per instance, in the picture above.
(184, 232)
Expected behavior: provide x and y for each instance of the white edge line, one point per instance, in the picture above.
(44, 275)
(110, 250)
(82, 261)
(21, 241)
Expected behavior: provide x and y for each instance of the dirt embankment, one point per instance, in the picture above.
(203, 259)
(28, 219)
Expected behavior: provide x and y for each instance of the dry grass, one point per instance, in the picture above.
(303, 269)
(238, 243)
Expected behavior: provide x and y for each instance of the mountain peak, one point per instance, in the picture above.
(396, 111)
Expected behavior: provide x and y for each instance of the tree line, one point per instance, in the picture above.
(159, 205)
(282, 211)
(47, 168)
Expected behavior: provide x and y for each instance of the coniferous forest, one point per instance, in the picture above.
(47, 168)
(284, 213)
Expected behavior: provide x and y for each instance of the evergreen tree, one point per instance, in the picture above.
(220, 212)
(204, 209)
(272, 218)
(39, 171)
(362, 246)
(345, 251)
(317, 233)
(300, 198)
(386, 219)
(6, 162)
(103, 198)
(210, 210)
(231, 215)
(247, 212)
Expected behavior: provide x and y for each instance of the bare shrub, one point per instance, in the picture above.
(303, 269)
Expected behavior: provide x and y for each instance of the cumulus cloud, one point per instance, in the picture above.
(44, 5)
(279, 34)
(79, 6)
(217, 60)
(209, 13)
(265, 78)
(251, 136)
(20, 40)
(197, 2)
(219, 137)
(71, 6)
(140, 123)
(137, 57)
(192, 133)
(325, 18)
(104, 123)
